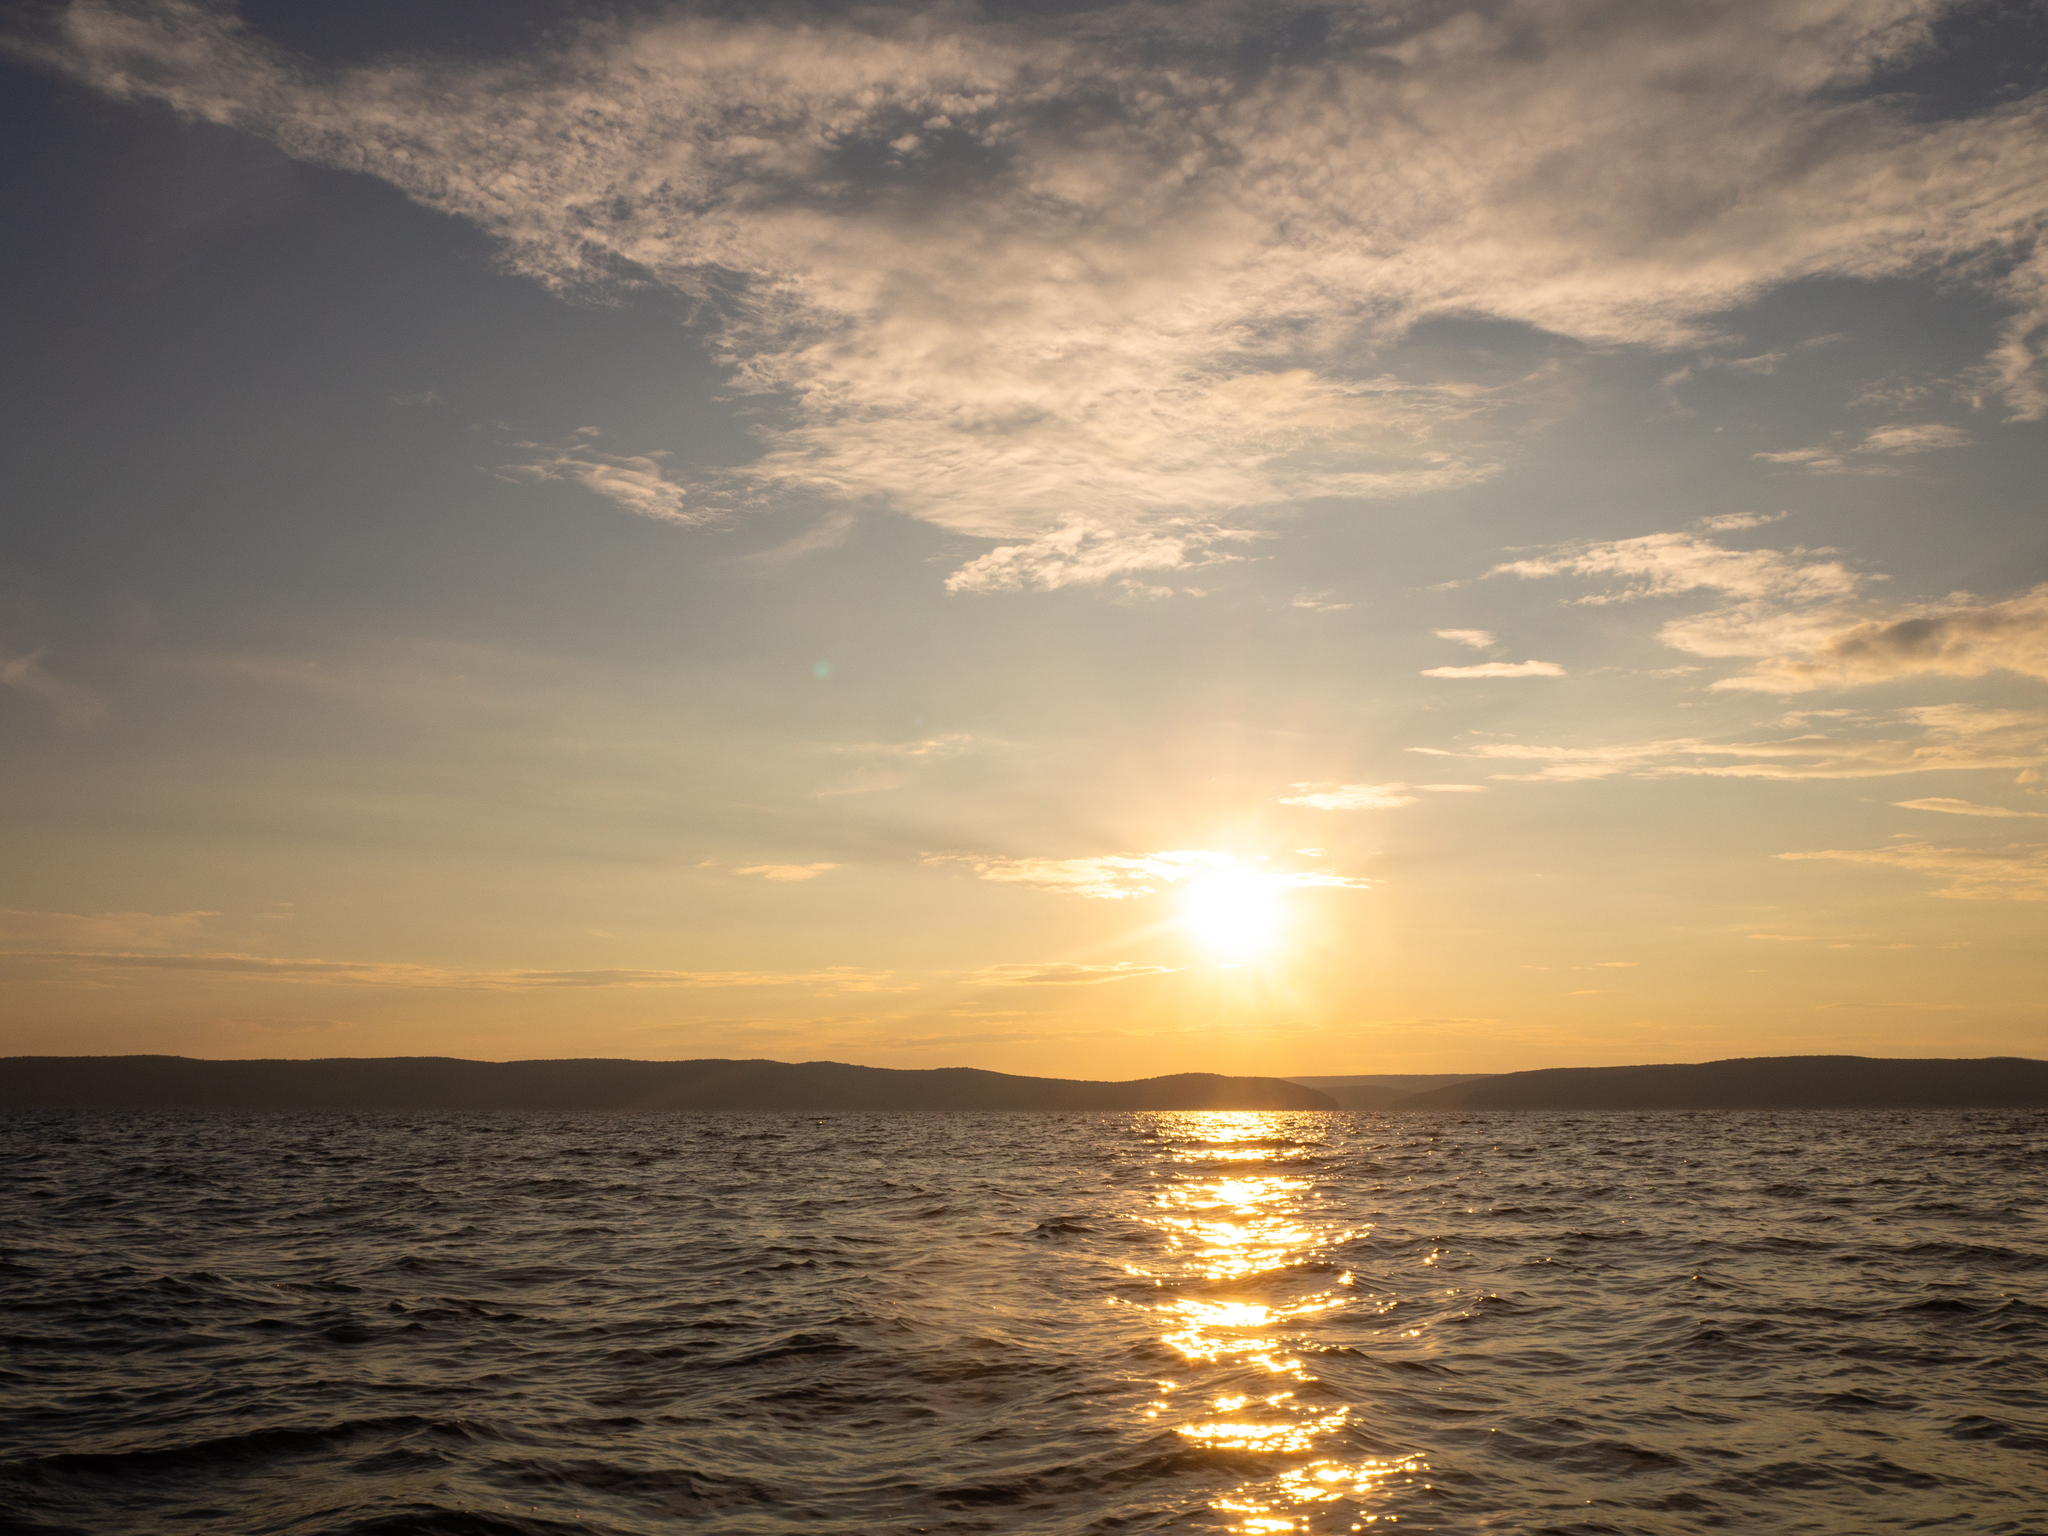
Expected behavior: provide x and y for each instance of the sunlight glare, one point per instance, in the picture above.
(1235, 914)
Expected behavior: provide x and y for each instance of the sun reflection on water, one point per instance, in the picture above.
(1247, 1281)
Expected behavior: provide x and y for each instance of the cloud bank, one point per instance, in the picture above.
(1097, 292)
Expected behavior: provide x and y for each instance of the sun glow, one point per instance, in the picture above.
(1235, 914)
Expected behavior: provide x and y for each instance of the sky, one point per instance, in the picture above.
(1090, 540)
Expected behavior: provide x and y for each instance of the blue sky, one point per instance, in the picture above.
(1086, 540)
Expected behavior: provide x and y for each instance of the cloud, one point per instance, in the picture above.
(1080, 554)
(1937, 738)
(1796, 612)
(1733, 522)
(786, 871)
(1368, 797)
(1350, 797)
(1869, 456)
(2015, 872)
(1964, 808)
(1960, 637)
(1119, 877)
(121, 930)
(1763, 363)
(1913, 439)
(1065, 974)
(1500, 669)
(635, 482)
(1478, 639)
(74, 705)
(1088, 288)
(398, 974)
(1668, 564)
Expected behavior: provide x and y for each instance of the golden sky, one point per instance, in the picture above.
(1092, 542)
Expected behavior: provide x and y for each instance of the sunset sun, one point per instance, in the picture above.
(1235, 915)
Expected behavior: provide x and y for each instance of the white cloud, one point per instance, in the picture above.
(1089, 290)
(1350, 797)
(1964, 808)
(786, 872)
(1734, 522)
(2015, 872)
(1478, 639)
(1500, 669)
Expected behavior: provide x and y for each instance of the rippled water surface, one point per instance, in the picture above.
(1030, 1323)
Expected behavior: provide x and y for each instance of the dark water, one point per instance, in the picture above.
(1030, 1323)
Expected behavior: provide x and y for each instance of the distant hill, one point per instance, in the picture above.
(442, 1082)
(1382, 1090)
(1760, 1082)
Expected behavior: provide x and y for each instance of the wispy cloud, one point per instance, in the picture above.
(2014, 872)
(1669, 564)
(1368, 797)
(636, 482)
(1800, 615)
(1064, 974)
(1350, 797)
(110, 930)
(1087, 289)
(1937, 738)
(1478, 639)
(1960, 637)
(1119, 877)
(74, 705)
(1872, 455)
(786, 872)
(1085, 554)
(398, 974)
(1965, 808)
(1499, 669)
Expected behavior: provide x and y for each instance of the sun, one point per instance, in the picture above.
(1234, 915)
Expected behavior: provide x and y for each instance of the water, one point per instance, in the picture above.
(1024, 1323)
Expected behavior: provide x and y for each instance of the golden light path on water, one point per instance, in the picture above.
(1250, 1276)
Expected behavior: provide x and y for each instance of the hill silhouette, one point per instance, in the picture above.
(1760, 1082)
(1383, 1090)
(445, 1083)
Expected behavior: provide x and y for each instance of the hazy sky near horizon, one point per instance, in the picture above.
(1078, 539)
